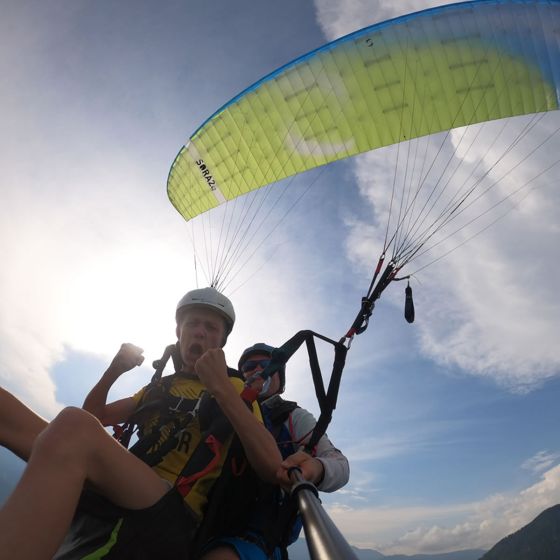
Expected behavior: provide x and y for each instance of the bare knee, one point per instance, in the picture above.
(221, 553)
(67, 436)
(73, 422)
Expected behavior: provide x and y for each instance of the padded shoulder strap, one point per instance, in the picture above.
(277, 410)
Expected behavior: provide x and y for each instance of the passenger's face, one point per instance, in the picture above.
(252, 360)
(199, 329)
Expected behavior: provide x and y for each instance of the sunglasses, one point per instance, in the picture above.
(251, 365)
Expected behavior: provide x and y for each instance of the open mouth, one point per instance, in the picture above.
(196, 350)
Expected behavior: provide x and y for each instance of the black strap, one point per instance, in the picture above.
(327, 399)
(278, 409)
(276, 534)
(208, 452)
(231, 500)
(176, 413)
(171, 351)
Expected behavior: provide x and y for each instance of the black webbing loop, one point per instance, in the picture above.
(361, 321)
(315, 369)
(124, 433)
(171, 351)
(327, 400)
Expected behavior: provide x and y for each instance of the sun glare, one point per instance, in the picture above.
(133, 303)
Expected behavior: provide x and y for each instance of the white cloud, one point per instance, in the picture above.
(540, 462)
(489, 307)
(501, 326)
(338, 18)
(433, 529)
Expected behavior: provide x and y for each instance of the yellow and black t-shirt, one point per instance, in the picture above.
(174, 461)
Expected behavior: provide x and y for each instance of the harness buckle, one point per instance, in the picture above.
(177, 407)
(194, 411)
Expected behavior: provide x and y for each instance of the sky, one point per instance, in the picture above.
(450, 424)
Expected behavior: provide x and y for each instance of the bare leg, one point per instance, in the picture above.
(221, 553)
(72, 449)
(19, 425)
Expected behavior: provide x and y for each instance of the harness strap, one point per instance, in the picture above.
(327, 399)
(207, 455)
(277, 531)
(145, 448)
(238, 494)
(210, 459)
(169, 405)
(171, 351)
(277, 534)
(176, 413)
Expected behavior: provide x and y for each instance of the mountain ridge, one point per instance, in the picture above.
(538, 540)
(298, 551)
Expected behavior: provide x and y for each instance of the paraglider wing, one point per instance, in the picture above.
(405, 78)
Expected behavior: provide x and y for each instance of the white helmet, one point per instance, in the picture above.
(209, 297)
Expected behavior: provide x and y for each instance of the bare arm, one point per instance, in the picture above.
(128, 357)
(117, 412)
(258, 443)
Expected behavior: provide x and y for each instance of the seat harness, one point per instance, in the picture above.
(175, 415)
(237, 481)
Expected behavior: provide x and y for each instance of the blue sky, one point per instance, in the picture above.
(450, 424)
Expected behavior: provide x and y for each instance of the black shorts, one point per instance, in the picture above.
(102, 530)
